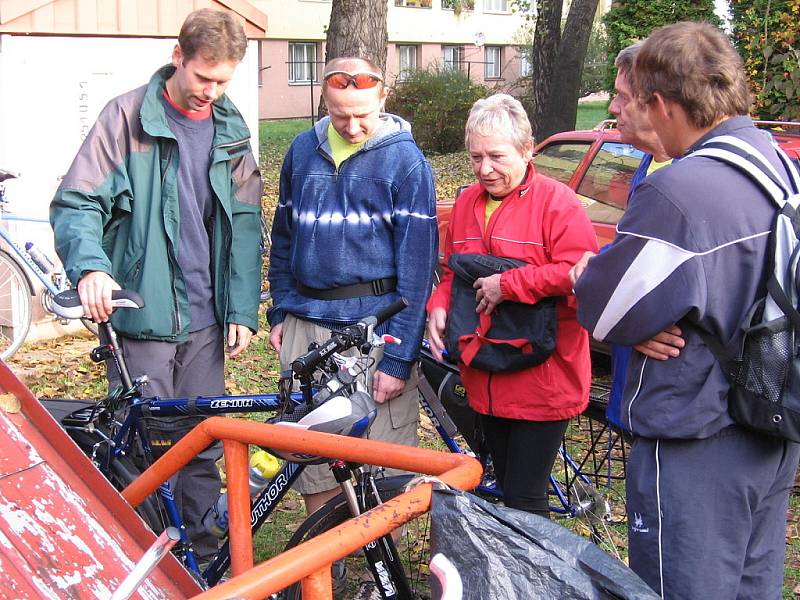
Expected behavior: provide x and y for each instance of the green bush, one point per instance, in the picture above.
(436, 101)
(767, 37)
(629, 21)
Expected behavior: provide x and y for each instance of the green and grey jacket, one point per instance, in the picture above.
(117, 211)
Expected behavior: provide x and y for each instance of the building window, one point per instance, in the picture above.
(495, 5)
(453, 57)
(492, 62)
(302, 62)
(408, 61)
(414, 3)
(525, 68)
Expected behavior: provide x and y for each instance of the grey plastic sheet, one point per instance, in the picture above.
(485, 551)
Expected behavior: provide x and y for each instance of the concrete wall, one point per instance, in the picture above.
(52, 90)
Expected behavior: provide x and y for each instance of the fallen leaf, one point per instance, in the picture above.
(10, 403)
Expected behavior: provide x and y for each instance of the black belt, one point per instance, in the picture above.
(378, 287)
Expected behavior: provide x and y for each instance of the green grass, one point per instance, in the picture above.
(590, 114)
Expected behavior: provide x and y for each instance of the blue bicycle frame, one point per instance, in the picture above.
(134, 426)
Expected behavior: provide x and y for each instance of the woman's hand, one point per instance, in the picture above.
(489, 294)
(437, 320)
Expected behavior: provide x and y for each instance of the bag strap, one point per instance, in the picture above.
(750, 161)
(473, 342)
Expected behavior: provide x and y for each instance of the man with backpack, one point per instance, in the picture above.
(706, 494)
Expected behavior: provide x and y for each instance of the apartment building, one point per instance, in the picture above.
(479, 40)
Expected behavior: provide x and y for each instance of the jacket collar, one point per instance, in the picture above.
(391, 129)
(727, 126)
(229, 126)
(523, 189)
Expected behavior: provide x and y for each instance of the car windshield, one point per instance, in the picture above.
(560, 159)
(608, 179)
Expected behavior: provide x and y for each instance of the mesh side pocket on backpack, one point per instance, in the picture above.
(767, 353)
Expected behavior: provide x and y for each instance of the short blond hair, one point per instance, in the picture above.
(500, 114)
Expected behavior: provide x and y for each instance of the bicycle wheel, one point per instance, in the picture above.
(123, 472)
(360, 580)
(589, 476)
(15, 305)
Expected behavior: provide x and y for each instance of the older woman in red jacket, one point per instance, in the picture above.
(514, 212)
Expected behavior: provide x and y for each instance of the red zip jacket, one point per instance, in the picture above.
(542, 223)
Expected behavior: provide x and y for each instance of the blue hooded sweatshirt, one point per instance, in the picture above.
(374, 217)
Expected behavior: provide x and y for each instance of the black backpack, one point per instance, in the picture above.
(764, 370)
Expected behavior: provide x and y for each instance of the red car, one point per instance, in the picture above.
(599, 167)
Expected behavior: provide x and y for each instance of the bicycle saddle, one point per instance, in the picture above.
(7, 175)
(67, 304)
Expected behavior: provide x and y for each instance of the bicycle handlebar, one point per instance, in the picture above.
(354, 335)
(67, 304)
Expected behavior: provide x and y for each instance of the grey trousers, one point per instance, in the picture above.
(187, 369)
(707, 518)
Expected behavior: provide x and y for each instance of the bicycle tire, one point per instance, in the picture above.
(596, 500)
(122, 472)
(334, 513)
(16, 305)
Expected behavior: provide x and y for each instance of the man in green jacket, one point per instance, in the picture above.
(163, 198)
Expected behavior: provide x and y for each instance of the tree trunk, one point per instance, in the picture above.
(546, 39)
(357, 28)
(562, 105)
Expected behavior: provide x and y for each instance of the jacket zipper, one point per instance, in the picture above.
(176, 313)
(635, 397)
(176, 316)
(233, 144)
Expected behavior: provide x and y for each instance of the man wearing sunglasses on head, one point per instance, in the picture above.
(354, 230)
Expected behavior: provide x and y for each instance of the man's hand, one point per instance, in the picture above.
(579, 267)
(664, 345)
(94, 290)
(276, 337)
(488, 294)
(385, 387)
(436, 324)
(238, 338)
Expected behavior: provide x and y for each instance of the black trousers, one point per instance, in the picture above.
(523, 453)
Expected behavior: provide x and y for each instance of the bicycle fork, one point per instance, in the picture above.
(381, 554)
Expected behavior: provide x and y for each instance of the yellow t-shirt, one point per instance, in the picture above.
(341, 149)
(655, 166)
(491, 206)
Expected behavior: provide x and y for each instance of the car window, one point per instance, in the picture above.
(604, 188)
(559, 160)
